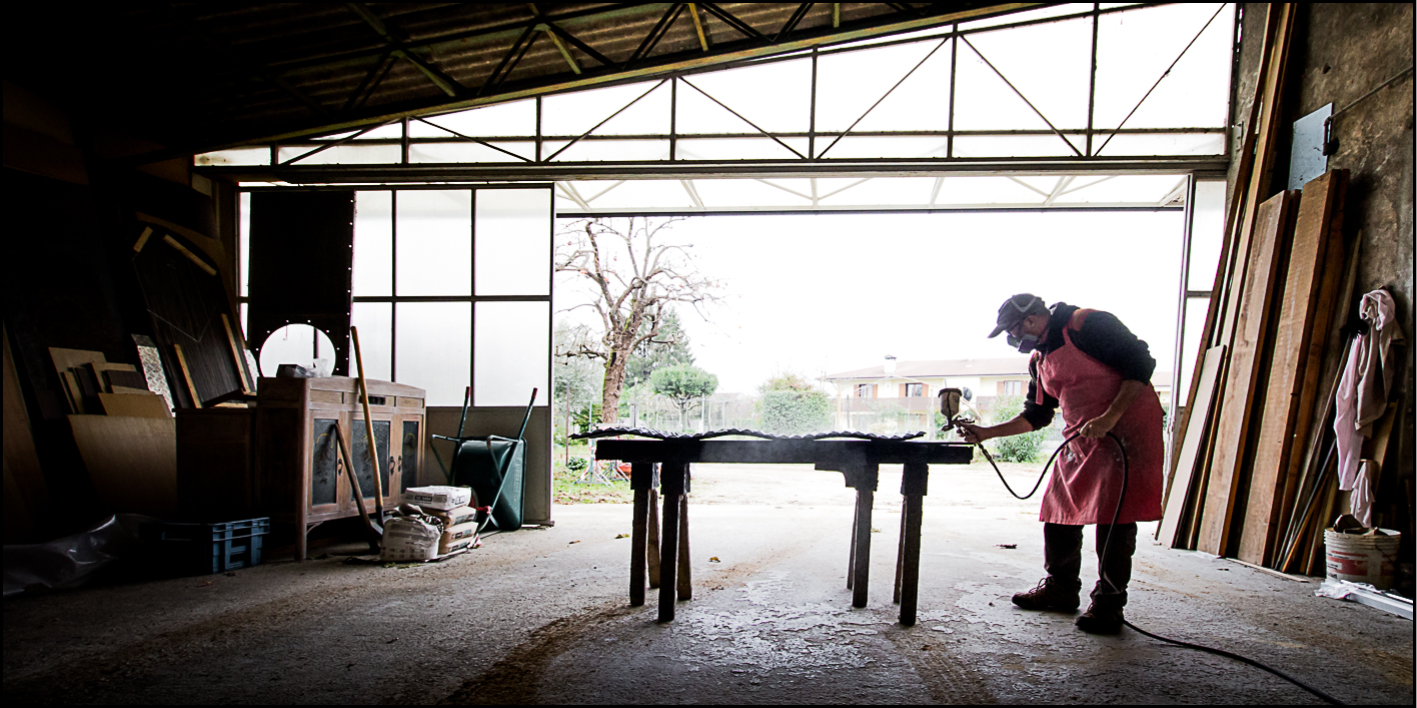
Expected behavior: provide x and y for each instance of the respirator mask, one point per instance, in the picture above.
(1024, 344)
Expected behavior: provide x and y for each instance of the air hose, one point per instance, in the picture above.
(1107, 547)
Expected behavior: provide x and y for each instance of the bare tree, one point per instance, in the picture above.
(634, 272)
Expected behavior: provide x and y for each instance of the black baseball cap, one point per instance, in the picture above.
(1015, 309)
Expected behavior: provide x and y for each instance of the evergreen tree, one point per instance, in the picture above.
(668, 348)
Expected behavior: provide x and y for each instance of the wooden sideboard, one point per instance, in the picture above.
(297, 475)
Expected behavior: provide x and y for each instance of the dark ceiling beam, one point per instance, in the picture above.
(396, 47)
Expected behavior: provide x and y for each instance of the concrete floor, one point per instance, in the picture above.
(541, 616)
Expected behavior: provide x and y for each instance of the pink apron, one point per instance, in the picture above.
(1087, 477)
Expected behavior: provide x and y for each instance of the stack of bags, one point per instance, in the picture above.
(447, 510)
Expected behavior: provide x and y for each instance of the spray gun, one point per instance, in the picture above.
(950, 401)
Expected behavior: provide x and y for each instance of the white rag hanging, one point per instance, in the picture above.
(1362, 393)
(1362, 500)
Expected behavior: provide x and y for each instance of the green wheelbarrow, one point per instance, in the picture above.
(493, 466)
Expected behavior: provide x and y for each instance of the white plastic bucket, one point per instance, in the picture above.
(1362, 559)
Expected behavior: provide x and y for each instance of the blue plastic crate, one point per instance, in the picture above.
(204, 549)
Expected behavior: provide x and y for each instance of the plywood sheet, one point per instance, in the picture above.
(1190, 462)
(140, 405)
(1285, 394)
(26, 494)
(131, 461)
(1232, 430)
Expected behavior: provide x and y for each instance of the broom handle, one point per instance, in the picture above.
(368, 423)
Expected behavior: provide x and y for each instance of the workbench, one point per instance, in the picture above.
(858, 460)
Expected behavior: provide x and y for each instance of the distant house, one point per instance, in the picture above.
(897, 396)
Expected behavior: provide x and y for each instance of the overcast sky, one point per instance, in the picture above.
(822, 293)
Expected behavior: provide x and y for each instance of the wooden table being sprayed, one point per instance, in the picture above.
(858, 460)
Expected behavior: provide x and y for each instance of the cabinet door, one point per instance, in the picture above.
(325, 483)
(409, 462)
(363, 467)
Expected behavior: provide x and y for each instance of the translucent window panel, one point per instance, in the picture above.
(851, 146)
(777, 97)
(243, 245)
(1071, 8)
(1018, 145)
(849, 83)
(298, 344)
(513, 353)
(1196, 308)
(434, 243)
(573, 114)
(513, 242)
(239, 156)
(885, 191)
(392, 131)
(467, 151)
(1135, 48)
(607, 150)
(517, 118)
(1050, 64)
(741, 149)
(373, 244)
(646, 194)
(344, 155)
(1128, 189)
(433, 341)
(988, 191)
(1207, 233)
(375, 321)
(1160, 144)
(727, 193)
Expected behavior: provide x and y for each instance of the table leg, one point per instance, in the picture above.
(686, 579)
(652, 546)
(913, 485)
(899, 557)
(851, 560)
(639, 481)
(669, 549)
(861, 562)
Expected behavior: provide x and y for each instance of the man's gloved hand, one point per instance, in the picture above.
(1097, 427)
(971, 433)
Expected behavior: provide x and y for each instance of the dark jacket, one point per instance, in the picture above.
(1102, 337)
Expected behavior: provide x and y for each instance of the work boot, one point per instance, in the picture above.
(1100, 618)
(1049, 594)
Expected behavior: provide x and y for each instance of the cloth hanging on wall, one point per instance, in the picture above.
(1363, 391)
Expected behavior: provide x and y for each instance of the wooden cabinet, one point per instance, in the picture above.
(297, 477)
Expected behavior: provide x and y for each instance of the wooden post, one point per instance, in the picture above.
(865, 483)
(641, 476)
(912, 486)
(652, 546)
(686, 578)
(899, 556)
(851, 558)
(672, 477)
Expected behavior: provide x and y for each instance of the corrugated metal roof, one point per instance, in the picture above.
(202, 75)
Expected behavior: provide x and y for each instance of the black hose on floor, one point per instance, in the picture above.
(1107, 547)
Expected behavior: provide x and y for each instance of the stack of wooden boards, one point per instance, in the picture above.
(1252, 474)
(124, 432)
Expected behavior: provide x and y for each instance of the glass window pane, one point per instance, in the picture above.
(512, 355)
(1050, 64)
(373, 244)
(742, 149)
(243, 246)
(606, 150)
(1158, 144)
(513, 242)
(727, 193)
(1018, 145)
(852, 146)
(1138, 190)
(434, 242)
(1190, 345)
(344, 155)
(1135, 49)
(1207, 232)
(648, 194)
(517, 118)
(375, 321)
(885, 191)
(986, 191)
(573, 114)
(433, 342)
(467, 151)
(776, 97)
(850, 82)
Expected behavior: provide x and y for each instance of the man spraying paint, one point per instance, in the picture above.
(1089, 364)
